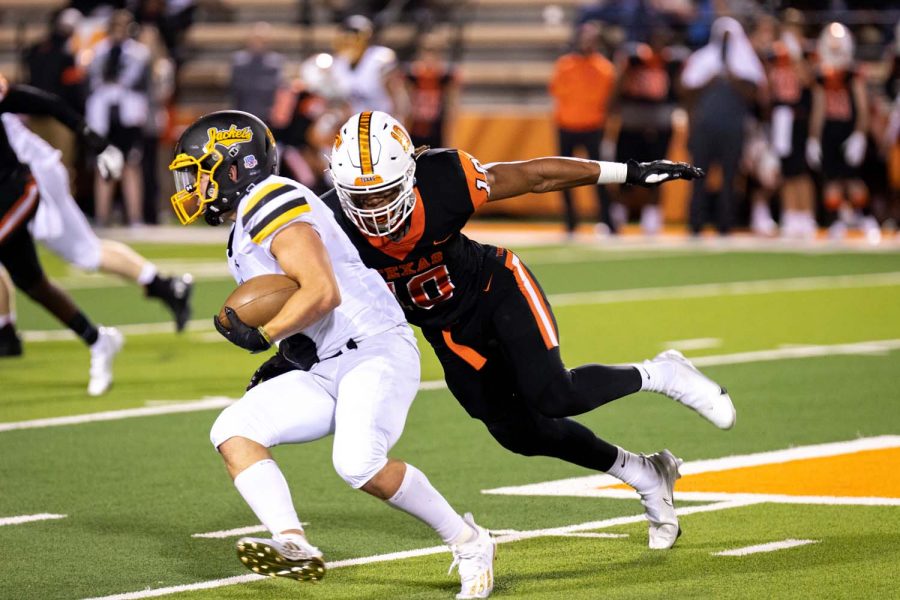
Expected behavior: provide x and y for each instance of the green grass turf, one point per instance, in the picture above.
(135, 490)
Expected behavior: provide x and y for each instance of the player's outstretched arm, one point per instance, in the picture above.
(551, 174)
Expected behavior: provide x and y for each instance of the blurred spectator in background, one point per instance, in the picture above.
(434, 92)
(838, 126)
(645, 103)
(790, 81)
(305, 119)
(373, 77)
(581, 87)
(256, 73)
(118, 108)
(52, 67)
(720, 81)
(162, 87)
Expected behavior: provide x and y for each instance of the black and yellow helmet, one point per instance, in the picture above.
(216, 160)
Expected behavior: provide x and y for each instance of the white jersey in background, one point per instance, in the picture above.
(58, 223)
(367, 305)
(365, 80)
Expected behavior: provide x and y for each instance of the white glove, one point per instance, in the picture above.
(110, 163)
(813, 153)
(855, 148)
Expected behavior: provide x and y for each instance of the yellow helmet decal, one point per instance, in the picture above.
(365, 148)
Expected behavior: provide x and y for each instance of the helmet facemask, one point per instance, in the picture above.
(390, 213)
(188, 172)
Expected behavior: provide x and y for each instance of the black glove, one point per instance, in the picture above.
(300, 351)
(272, 368)
(241, 334)
(653, 173)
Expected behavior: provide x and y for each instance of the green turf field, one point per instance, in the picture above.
(808, 344)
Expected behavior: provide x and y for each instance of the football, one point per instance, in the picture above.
(259, 299)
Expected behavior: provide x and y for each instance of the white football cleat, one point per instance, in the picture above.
(290, 556)
(695, 390)
(476, 563)
(659, 505)
(103, 352)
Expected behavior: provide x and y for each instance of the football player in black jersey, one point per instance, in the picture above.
(484, 313)
(19, 199)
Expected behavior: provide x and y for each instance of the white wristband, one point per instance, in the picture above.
(612, 172)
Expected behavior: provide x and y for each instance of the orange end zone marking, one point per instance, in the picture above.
(869, 473)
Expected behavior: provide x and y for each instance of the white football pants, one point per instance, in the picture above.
(361, 396)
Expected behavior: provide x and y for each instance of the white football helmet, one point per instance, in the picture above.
(373, 167)
(835, 47)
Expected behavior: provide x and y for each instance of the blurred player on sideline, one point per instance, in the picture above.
(484, 314)
(61, 226)
(19, 198)
(366, 369)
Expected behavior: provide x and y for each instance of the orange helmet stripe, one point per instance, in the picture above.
(365, 148)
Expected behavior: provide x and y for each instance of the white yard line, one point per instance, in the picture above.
(227, 533)
(704, 290)
(116, 415)
(29, 518)
(591, 485)
(392, 556)
(161, 407)
(734, 288)
(693, 344)
(770, 547)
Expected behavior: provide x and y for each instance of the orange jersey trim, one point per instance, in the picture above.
(20, 210)
(401, 249)
(470, 355)
(478, 193)
(532, 293)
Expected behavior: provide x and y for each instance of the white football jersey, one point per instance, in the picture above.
(365, 80)
(367, 305)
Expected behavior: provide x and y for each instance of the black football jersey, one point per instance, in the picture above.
(434, 269)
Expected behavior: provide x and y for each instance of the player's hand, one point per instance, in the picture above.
(242, 335)
(649, 174)
(110, 163)
(272, 368)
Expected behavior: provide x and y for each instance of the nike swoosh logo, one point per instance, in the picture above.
(722, 391)
(667, 501)
(439, 242)
(488, 286)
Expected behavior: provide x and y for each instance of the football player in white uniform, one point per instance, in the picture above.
(369, 71)
(360, 367)
(61, 226)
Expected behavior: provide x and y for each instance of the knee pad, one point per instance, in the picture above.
(236, 421)
(357, 466)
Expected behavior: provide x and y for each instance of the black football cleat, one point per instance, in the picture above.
(10, 344)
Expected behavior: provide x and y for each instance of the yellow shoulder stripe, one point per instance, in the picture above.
(280, 221)
(261, 193)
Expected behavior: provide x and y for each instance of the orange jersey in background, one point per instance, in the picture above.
(582, 87)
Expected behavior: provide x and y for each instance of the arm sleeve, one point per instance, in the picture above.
(27, 100)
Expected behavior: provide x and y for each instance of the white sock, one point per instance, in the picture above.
(7, 319)
(654, 375)
(418, 497)
(148, 272)
(634, 470)
(266, 491)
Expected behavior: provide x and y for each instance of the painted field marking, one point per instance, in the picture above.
(770, 547)
(392, 556)
(734, 288)
(704, 290)
(692, 344)
(116, 415)
(162, 407)
(227, 533)
(29, 518)
(728, 479)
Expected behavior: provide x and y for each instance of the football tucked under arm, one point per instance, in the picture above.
(258, 300)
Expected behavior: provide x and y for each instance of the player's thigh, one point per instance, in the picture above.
(289, 409)
(19, 255)
(66, 232)
(377, 383)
